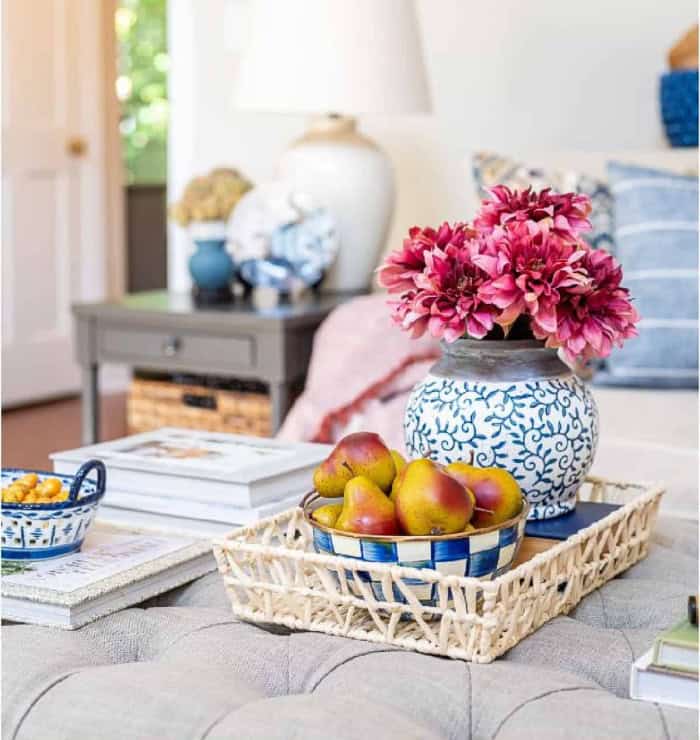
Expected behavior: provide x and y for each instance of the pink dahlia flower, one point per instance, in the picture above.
(401, 267)
(529, 270)
(590, 323)
(566, 214)
(446, 301)
(522, 260)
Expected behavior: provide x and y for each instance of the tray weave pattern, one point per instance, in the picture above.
(272, 575)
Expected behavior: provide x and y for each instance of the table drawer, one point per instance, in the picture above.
(176, 347)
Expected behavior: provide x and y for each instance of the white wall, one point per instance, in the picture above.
(513, 76)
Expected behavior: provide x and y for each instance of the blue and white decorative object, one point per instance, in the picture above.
(211, 266)
(41, 531)
(282, 238)
(508, 404)
(484, 554)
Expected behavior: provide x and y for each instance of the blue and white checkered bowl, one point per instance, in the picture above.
(484, 554)
(42, 531)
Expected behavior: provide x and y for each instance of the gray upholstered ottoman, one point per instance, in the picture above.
(184, 668)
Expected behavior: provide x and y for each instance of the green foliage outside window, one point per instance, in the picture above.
(142, 88)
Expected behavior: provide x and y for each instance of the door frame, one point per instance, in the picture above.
(115, 221)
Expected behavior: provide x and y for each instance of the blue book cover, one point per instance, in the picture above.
(585, 514)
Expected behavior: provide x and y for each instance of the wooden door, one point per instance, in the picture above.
(54, 214)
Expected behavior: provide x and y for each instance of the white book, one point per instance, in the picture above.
(202, 466)
(213, 512)
(648, 683)
(113, 570)
(161, 523)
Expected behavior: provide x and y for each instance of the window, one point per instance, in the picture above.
(142, 89)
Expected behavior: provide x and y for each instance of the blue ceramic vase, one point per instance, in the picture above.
(211, 265)
(508, 404)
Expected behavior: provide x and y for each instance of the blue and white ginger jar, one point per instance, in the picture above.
(509, 404)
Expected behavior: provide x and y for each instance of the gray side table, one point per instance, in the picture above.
(166, 332)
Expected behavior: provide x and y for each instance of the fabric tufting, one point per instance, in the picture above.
(182, 667)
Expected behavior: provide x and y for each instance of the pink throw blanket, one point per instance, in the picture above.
(361, 373)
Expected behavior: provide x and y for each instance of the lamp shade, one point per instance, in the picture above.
(340, 56)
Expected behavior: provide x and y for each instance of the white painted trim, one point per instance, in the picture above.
(650, 446)
(653, 372)
(668, 323)
(645, 226)
(654, 182)
(90, 124)
(655, 274)
(115, 226)
(181, 129)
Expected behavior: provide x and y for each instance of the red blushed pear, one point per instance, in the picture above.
(362, 453)
(498, 495)
(430, 502)
(366, 509)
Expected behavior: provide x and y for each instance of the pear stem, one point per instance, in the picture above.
(345, 463)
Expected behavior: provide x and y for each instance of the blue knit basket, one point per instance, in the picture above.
(678, 95)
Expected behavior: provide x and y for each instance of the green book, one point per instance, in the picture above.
(677, 648)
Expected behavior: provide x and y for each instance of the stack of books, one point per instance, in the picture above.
(197, 483)
(114, 569)
(668, 673)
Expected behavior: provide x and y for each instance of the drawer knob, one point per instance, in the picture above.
(171, 346)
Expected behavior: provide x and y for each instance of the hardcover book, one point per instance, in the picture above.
(677, 648)
(648, 683)
(562, 527)
(208, 467)
(114, 570)
(232, 516)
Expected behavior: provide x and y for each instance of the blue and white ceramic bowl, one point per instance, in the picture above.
(42, 531)
(484, 554)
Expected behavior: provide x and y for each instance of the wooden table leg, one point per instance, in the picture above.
(280, 395)
(90, 407)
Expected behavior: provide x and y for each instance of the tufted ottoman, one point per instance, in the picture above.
(183, 667)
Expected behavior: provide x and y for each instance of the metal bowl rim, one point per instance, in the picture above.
(313, 496)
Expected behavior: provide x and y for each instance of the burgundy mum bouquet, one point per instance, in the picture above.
(520, 270)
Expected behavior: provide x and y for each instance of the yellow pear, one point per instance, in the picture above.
(366, 509)
(428, 501)
(362, 453)
(327, 514)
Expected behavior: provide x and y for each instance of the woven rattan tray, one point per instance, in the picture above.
(272, 575)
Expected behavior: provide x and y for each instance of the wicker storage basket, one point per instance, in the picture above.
(152, 404)
(272, 575)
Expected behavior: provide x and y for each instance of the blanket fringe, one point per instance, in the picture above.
(343, 414)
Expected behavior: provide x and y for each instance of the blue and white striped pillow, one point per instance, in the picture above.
(656, 240)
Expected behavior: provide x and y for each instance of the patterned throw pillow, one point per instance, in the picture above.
(493, 169)
(656, 240)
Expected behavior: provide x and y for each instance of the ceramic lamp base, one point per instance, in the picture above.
(347, 173)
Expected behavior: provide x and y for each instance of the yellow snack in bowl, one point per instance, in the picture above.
(18, 491)
(50, 486)
(29, 479)
(9, 497)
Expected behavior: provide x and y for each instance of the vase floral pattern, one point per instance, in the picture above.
(544, 430)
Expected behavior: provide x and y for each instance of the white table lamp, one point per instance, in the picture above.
(336, 59)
